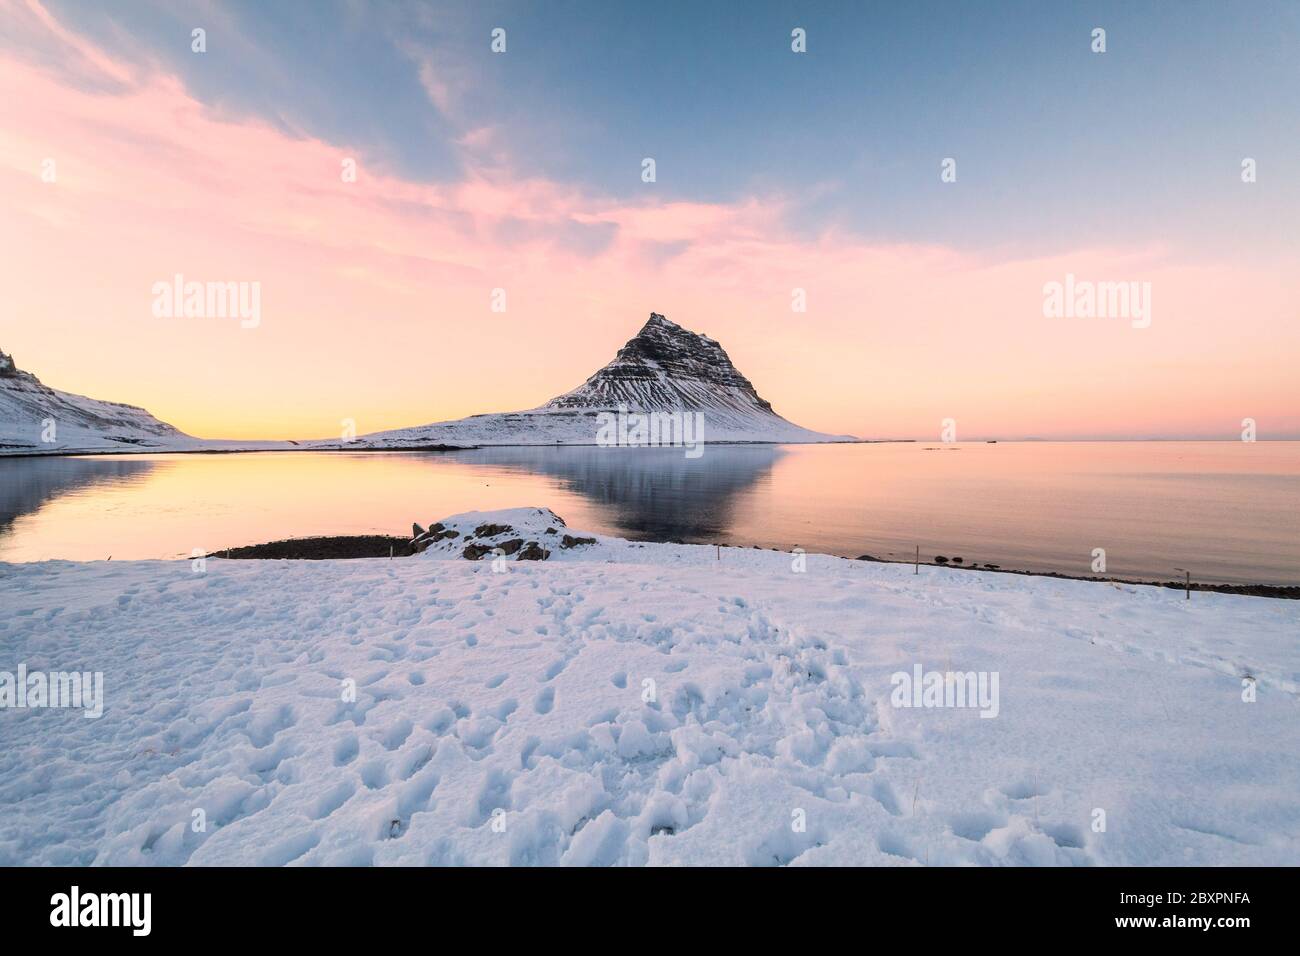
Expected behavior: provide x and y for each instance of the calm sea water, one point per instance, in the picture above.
(1229, 511)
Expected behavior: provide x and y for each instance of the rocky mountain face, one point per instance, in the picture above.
(9, 370)
(27, 406)
(665, 367)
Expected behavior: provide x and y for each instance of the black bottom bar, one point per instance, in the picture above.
(382, 907)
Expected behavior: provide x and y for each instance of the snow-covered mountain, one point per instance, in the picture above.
(664, 368)
(37, 419)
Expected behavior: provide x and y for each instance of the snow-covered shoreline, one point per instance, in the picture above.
(502, 712)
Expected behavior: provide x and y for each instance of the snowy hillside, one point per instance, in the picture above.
(35, 418)
(663, 368)
(80, 424)
(625, 703)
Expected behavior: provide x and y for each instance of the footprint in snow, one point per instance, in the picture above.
(332, 799)
(345, 751)
(1024, 790)
(545, 700)
(396, 735)
(975, 825)
(1065, 835)
(375, 774)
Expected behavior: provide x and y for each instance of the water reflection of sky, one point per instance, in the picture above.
(168, 505)
(1226, 509)
(28, 483)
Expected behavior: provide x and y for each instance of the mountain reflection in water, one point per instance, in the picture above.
(648, 494)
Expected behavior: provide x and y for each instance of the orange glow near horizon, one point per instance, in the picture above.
(376, 295)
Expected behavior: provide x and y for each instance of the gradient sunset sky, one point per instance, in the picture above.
(775, 171)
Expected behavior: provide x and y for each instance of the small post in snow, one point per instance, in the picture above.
(918, 560)
(1189, 581)
(390, 552)
(719, 547)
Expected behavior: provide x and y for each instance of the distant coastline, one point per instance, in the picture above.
(287, 445)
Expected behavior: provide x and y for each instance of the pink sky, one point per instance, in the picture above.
(376, 294)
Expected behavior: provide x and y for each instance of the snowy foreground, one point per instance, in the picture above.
(622, 703)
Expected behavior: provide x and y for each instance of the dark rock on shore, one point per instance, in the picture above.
(324, 548)
(530, 551)
(569, 541)
(437, 531)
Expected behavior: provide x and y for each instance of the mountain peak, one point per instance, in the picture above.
(665, 367)
(8, 369)
(658, 319)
